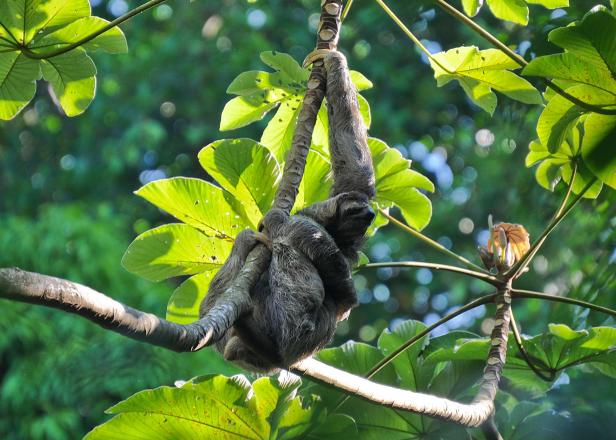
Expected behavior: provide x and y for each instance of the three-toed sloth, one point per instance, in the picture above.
(307, 288)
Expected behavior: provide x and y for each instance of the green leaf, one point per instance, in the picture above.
(247, 170)
(471, 7)
(569, 67)
(72, 77)
(357, 358)
(598, 147)
(397, 185)
(18, 75)
(112, 41)
(183, 306)
(593, 39)
(335, 427)
(173, 250)
(550, 4)
(244, 110)
(547, 174)
(480, 72)
(286, 64)
(24, 18)
(198, 203)
(511, 10)
(582, 178)
(560, 114)
(316, 183)
(254, 81)
(210, 407)
(407, 365)
(278, 135)
(360, 81)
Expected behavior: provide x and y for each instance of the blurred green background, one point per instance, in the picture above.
(67, 208)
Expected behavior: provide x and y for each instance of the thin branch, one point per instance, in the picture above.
(474, 414)
(520, 293)
(516, 57)
(516, 269)
(518, 340)
(394, 354)
(130, 14)
(409, 34)
(434, 244)
(491, 279)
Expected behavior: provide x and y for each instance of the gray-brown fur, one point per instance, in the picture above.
(351, 160)
(307, 287)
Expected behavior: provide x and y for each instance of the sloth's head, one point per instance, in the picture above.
(353, 217)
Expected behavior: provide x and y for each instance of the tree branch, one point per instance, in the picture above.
(473, 414)
(491, 279)
(34, 288)
(519, 293)
(327, 38)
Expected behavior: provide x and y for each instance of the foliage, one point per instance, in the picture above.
(133, 133)
(249, 173)
(30, 30)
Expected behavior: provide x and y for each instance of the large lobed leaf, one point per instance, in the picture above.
(222, 408)
(260, 92)
(510, 10)
(40, 27)
(572, 135)
(481, 72)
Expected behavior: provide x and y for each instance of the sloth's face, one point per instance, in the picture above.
(354, 217)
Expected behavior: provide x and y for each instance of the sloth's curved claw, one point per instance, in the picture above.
(315, 55)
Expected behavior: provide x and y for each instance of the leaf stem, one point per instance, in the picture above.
(491, 279)
(561, 213)
(434, 244)
(130, 14)
(394, 354)
(518, 340)
(409, 34)
(516, 57)
(345, 11)
(520, 293)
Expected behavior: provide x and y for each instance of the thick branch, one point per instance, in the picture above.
(34, 288)
(473, 414)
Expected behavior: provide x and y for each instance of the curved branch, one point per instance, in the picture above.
(34, 288)
(434, 244)
(491, 279)
(473, 414)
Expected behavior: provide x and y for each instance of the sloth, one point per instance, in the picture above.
(307, 288)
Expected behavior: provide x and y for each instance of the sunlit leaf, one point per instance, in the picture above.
(480, 72)
(211, 407)
(592, 39)
(247, 170)
(471, 7)
(72, 77)
(286, 64)
(198, 203)
(173, 250)
(18, 75)
(317, 181)
(511, 10)
(183, 306)
(112, 41)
